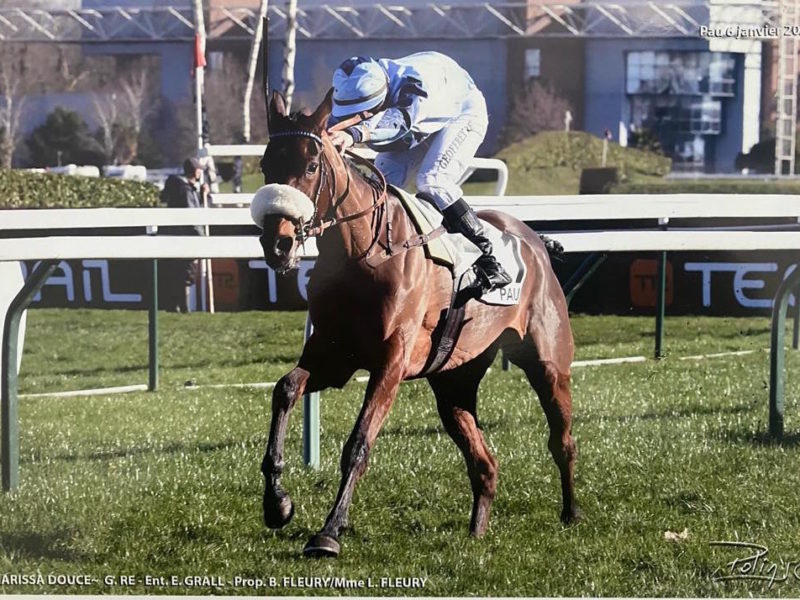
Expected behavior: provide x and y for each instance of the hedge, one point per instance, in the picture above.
(707, 186)
(578, 150)
(21, 189)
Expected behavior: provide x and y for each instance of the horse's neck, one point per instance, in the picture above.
(358, 235)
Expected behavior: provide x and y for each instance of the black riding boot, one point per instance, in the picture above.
(460, 218)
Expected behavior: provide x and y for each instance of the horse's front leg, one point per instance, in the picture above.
(278, 507)
(322, 365)
(381, 392)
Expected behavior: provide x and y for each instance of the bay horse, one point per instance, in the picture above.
(382, 318)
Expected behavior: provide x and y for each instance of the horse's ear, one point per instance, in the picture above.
(277, 106)
(323, 112)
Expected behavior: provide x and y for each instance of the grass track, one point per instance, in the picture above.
(168, 483)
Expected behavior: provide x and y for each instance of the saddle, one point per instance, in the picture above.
(458, 254)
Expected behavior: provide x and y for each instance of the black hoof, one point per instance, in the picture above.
(571, 517)
(277, 511)
(322, 546)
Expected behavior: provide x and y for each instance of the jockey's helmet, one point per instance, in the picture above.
(359, 84)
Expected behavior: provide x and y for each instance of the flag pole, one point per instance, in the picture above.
(206, 276)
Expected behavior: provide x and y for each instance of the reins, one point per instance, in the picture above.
(308, 229)
(380, 198)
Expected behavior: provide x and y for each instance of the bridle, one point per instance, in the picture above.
(314, 226)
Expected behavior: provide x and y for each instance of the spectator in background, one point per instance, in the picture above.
(238, 169)
(186, 191)
(209, 170)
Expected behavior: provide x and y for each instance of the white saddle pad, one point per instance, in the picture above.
(506, 249)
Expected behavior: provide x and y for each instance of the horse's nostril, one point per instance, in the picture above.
(283, 245)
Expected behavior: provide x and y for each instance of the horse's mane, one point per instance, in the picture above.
(293, 121)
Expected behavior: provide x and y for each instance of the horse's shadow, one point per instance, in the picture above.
(52, 545)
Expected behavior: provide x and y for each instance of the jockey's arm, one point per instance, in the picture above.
(387, 126)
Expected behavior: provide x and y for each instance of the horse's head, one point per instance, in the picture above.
(300, 175)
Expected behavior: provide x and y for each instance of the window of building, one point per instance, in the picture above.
(533, 57)
(216, 60)
(693, 73)
(678, 96)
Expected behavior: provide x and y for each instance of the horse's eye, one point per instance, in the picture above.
(312, 168)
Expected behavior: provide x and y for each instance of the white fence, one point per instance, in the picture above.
(558, 208)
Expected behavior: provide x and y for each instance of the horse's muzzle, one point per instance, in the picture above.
(279, 253)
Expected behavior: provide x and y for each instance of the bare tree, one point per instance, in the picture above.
(10, 113)
(536, 108)
(259, 36)
(107, 113)
(138, 102)
(290, 51)
(123, 110)
(225, 86)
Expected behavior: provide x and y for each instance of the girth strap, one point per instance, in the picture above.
(393, 250)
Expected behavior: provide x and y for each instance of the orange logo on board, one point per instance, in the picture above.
(644, 284)
(225, 274)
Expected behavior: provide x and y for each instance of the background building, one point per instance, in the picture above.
(633, 68)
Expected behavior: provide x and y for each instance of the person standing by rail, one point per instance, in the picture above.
(183, 191)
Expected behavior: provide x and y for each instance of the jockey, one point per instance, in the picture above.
(420, 113)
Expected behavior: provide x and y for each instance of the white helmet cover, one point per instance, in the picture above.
(359, 84)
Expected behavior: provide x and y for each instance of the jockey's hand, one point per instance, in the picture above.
(342, 141)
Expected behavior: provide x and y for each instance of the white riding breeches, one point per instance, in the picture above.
(441, 159)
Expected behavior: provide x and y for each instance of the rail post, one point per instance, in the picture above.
(310, 418)
(796, 316)
(8, 391)
(777, 380)
(152, 326)
(152, 330)
(661, 294)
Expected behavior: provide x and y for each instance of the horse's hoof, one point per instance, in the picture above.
(322, 546)
(278, 511)
(572, 516)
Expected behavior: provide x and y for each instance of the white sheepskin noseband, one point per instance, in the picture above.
(280, 199)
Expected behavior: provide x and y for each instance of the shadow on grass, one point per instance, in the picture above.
(760, 439)
(668, 414)
(438, 429)
(52, 545)
(103, 369)
(173, 448)
(216, 362)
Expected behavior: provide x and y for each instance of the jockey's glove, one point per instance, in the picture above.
(342, 140)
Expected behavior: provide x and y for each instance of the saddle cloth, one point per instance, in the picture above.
(459, 254)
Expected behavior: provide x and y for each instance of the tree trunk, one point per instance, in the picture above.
(251, 68)
(291, 46)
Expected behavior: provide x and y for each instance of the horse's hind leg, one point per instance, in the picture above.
(552, 385)
(456, 399)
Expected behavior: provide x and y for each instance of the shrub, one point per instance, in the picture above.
(707, 186)
(761, 158)
(578, 150)
(535, 109)
(645, 139)
(66, 132)
(20, 189)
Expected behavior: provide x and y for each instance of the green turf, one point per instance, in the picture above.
(168, 483)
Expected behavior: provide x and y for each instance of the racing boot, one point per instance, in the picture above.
(460, 218)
